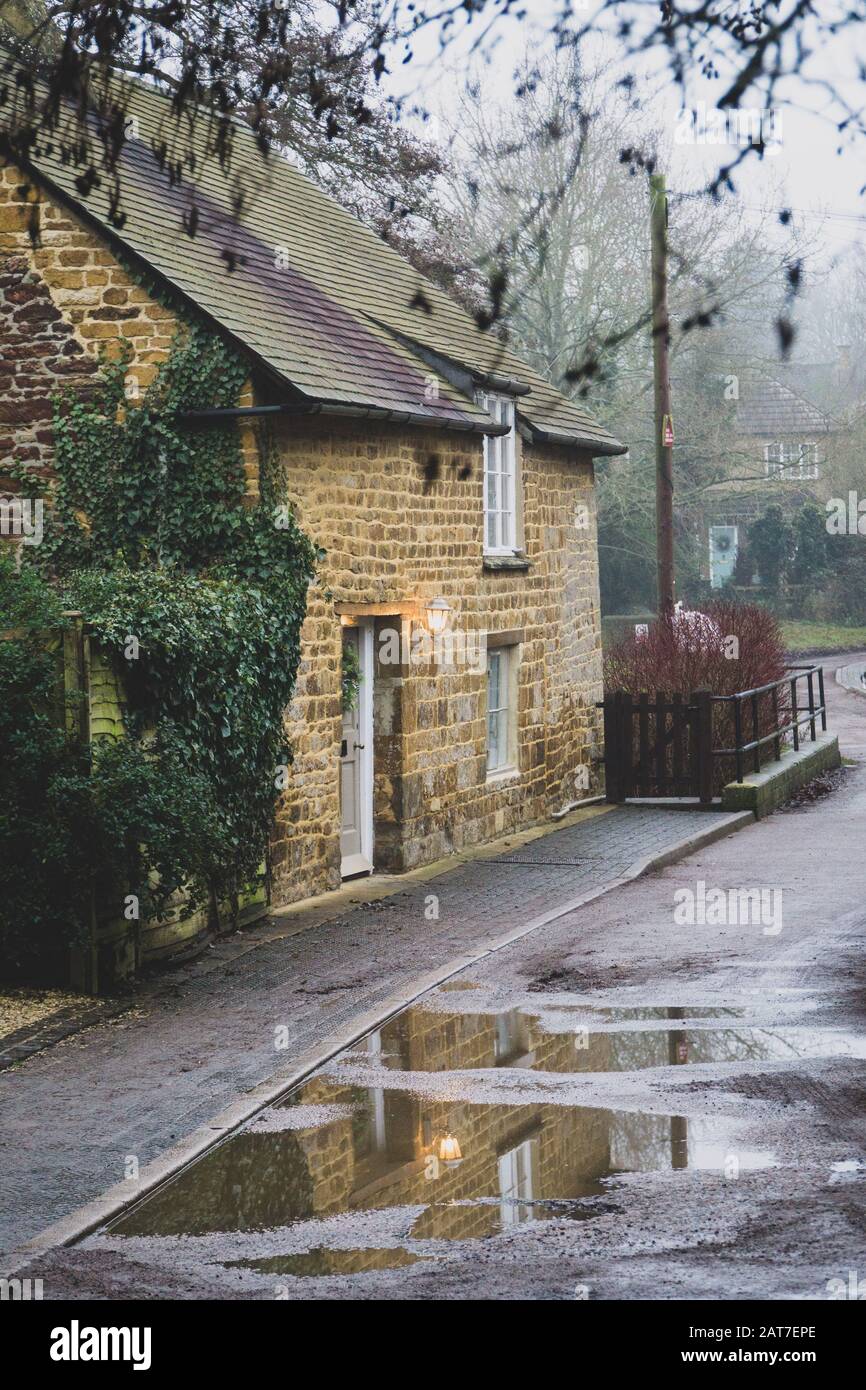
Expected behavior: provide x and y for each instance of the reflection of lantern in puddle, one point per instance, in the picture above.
(449, 1151)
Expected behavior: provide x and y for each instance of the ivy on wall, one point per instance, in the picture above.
(200, 598)
(134, 482)
(350, 677)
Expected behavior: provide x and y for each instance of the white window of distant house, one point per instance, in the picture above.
(501, 708)
(515, 1183)
(500, 478)
(807, 464)
(796, 461)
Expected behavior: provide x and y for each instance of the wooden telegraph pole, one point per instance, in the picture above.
(664, 429)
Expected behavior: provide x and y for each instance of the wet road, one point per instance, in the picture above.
(660, 1096)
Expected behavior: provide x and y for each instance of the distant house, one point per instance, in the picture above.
(779, 450)
(450, 487)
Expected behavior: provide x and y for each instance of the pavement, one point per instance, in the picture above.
(167, 1062)
(206, 1034)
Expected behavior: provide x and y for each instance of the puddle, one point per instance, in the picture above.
(320, 1262)
(574, 1039)
(358, 1143)
(473, 1169)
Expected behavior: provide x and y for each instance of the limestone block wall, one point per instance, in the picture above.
(394, 540)
(64, 295)
(64, 299)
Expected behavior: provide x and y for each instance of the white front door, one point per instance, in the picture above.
(356, 761)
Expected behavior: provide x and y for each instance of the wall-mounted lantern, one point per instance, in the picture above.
(438, 611)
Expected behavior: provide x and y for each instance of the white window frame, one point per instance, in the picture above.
(789, 459)
(516, 1173)
(377, 1095)
(502, 750)
(500, 478)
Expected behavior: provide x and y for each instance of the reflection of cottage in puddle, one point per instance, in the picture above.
(334, 1147)
(443, 1160)
(404, 1149)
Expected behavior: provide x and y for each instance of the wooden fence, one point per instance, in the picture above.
(690, 746)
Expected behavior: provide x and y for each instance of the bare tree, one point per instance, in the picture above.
(291, 71)
(545, 201)
(254, 57)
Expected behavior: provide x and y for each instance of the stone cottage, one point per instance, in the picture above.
(450, 487)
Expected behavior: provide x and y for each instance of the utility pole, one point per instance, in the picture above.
(664, 429)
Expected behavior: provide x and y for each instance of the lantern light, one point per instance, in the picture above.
(449, 1151)
(437, 610)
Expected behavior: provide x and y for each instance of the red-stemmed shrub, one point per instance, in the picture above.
(726, 648)
(680, 655)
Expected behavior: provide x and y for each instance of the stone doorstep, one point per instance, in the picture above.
(763, 792)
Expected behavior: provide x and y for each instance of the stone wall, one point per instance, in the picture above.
(64, 296)
(394, 541)
(65, 299)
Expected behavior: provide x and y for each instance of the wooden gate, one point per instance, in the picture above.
(660, 747)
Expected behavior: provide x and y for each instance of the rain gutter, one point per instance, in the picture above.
(597, 447)
(355, 412)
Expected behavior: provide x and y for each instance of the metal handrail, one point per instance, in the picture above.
(810, 714)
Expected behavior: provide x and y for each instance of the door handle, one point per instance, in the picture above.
(359, 745)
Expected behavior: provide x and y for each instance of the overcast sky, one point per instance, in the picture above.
(804, 171)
